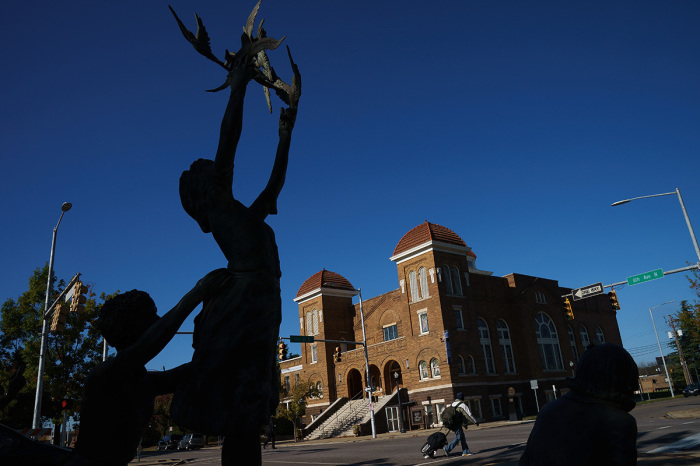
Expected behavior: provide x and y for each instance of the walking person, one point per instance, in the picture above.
(461, 418)
(270, 433)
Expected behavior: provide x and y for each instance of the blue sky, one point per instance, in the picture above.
(515, 124)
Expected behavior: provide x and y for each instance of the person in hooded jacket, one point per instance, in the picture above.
(591, 424)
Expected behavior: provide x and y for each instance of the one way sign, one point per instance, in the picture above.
(587, 291)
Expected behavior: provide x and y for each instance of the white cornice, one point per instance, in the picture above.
(325, 291)
(430, 246)
(292, 369)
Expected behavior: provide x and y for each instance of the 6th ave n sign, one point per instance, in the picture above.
(587, 291)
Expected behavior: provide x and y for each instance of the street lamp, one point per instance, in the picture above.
(685, 214)
(663, 359)
(42, 353)
(364, 344)
(369, 380)
(398, 394)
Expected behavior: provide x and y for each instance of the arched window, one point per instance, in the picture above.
(506, 346)
(548, 343)
(309, 323)
(413, 283)
(457, 283)
(423, 278)
(599, 335)
(485, 340)
(471, 367)
(315, 321)
(319, 388)
(423, 370)
(572, 340)
(461, 367)
(434, 367)
(447, 278)
(585, 340)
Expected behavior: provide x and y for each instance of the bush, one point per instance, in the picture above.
(283, 426)
(150, 437)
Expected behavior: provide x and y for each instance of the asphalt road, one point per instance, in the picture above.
(500, 445)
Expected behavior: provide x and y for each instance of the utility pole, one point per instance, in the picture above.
(686, 373)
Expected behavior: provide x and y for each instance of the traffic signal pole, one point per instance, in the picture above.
(311, 339)
(42, 352)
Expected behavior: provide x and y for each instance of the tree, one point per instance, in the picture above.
(688, 321)
(70, 356)
(295, 407)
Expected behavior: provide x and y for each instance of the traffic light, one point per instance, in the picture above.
(336, 354)
(77, 304)
(58, 324)
(566, 307)
(282, 355)
(613, 300)
(66, 404)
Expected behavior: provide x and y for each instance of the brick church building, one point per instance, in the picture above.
(449, 327)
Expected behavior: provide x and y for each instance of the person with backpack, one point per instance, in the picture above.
(454, 417)
(270, 433)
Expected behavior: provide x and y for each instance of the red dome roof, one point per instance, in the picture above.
(327, 279)
(425, 232)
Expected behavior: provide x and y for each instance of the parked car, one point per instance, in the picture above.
(169, 442)
(692, 390)
(192, 441)
(18, 450)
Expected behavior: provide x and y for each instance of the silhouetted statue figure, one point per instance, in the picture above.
(119, 393)
(234, 387)
(591, 424)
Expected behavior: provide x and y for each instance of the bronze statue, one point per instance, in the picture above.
(233, 388)
(119, 393)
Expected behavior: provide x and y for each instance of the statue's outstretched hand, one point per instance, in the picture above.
(288, 117)
(242, 69)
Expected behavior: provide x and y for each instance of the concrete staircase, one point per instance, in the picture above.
(340, 423)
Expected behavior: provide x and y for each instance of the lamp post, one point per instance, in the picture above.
(42, 352)
(398, 394)
(663, 359)
(364, 344)
(685, 214)
(369, 380)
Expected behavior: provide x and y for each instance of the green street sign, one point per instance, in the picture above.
(645, 277)
(300, 339)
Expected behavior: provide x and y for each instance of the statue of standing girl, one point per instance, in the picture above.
(233, 385)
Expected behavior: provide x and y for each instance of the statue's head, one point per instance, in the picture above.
(195, 191)
(124, 318)
(607, 371)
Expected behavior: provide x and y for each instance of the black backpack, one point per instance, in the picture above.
(451, 418)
